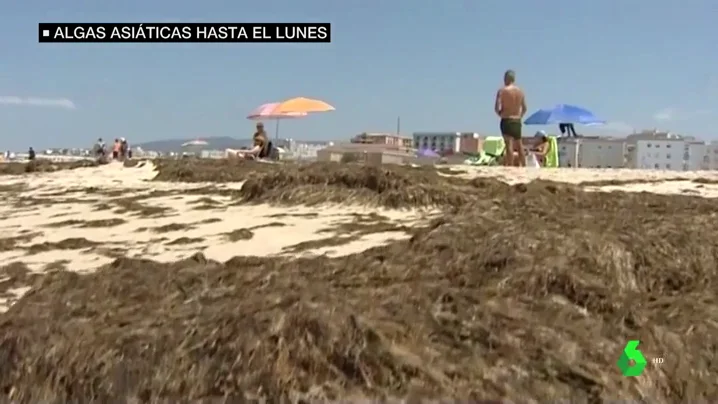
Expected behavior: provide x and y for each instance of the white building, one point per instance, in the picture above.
(698, 158)
(592, 152)
(568, 153)
(670, 154)
(712, 154)
(438, 141)
(602, 153)
(646, 150)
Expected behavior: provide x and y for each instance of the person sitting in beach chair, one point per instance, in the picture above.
(261, 149)
(541, 147)
(545, 150)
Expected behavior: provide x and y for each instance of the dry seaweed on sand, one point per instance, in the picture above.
(529, 292)
(208, 170)
(74, 243)
(15, 275)
(43, 166)
(319, 183)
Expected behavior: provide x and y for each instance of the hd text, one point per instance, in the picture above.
(188, 33)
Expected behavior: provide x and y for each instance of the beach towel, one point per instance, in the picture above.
(552, 156)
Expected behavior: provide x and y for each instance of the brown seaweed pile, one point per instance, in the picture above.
(320, 183)
(523, 293)
(43, 166)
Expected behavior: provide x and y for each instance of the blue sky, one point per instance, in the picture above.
(437, 64)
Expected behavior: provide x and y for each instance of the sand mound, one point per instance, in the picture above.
(521, 293)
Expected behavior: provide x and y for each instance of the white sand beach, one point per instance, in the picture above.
(85, 218)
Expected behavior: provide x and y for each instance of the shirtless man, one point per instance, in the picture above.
(510, 107)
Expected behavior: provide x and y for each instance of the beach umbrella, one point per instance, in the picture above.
(428, 153)
(194, 146)
(302, 105)
(563, 113)
(266, 111)
(195, 143)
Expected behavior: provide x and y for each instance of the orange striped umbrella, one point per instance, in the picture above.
(302, 105)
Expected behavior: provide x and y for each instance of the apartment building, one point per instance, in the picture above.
(602, 153)
(470, 142)
(649, 149)
(592, 152)
(568, 152)
(668, 154)
(448, 142)
(712, 154)
(439, 142)
(390, 139)
(673, 154)
(698, 157)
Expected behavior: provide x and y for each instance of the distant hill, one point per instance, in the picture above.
(214, 143)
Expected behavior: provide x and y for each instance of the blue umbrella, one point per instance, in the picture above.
(563, 113)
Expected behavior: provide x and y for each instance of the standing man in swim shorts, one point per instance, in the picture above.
(510, 106)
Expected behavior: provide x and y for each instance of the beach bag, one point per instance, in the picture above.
(532, 161)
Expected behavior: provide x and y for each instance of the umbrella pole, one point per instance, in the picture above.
(276, 131)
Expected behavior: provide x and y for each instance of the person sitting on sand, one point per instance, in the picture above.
(31, 154)
(261, 147)
(542, 147)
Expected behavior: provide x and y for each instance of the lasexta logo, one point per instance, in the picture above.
(631, 361)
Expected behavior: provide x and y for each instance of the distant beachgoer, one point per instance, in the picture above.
(116, 149)
(99, 148)
(123, 148)
(567, 128)
(126, 149)
(510, 106)
(31, 154)
(100, 152)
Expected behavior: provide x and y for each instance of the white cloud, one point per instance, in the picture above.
(619, 127)
(675, 114)
(63, 103)
(666, 114)
(610, 128)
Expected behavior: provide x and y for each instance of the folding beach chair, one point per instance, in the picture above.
(492, 151)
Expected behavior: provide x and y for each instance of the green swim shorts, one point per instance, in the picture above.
(511, 127)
